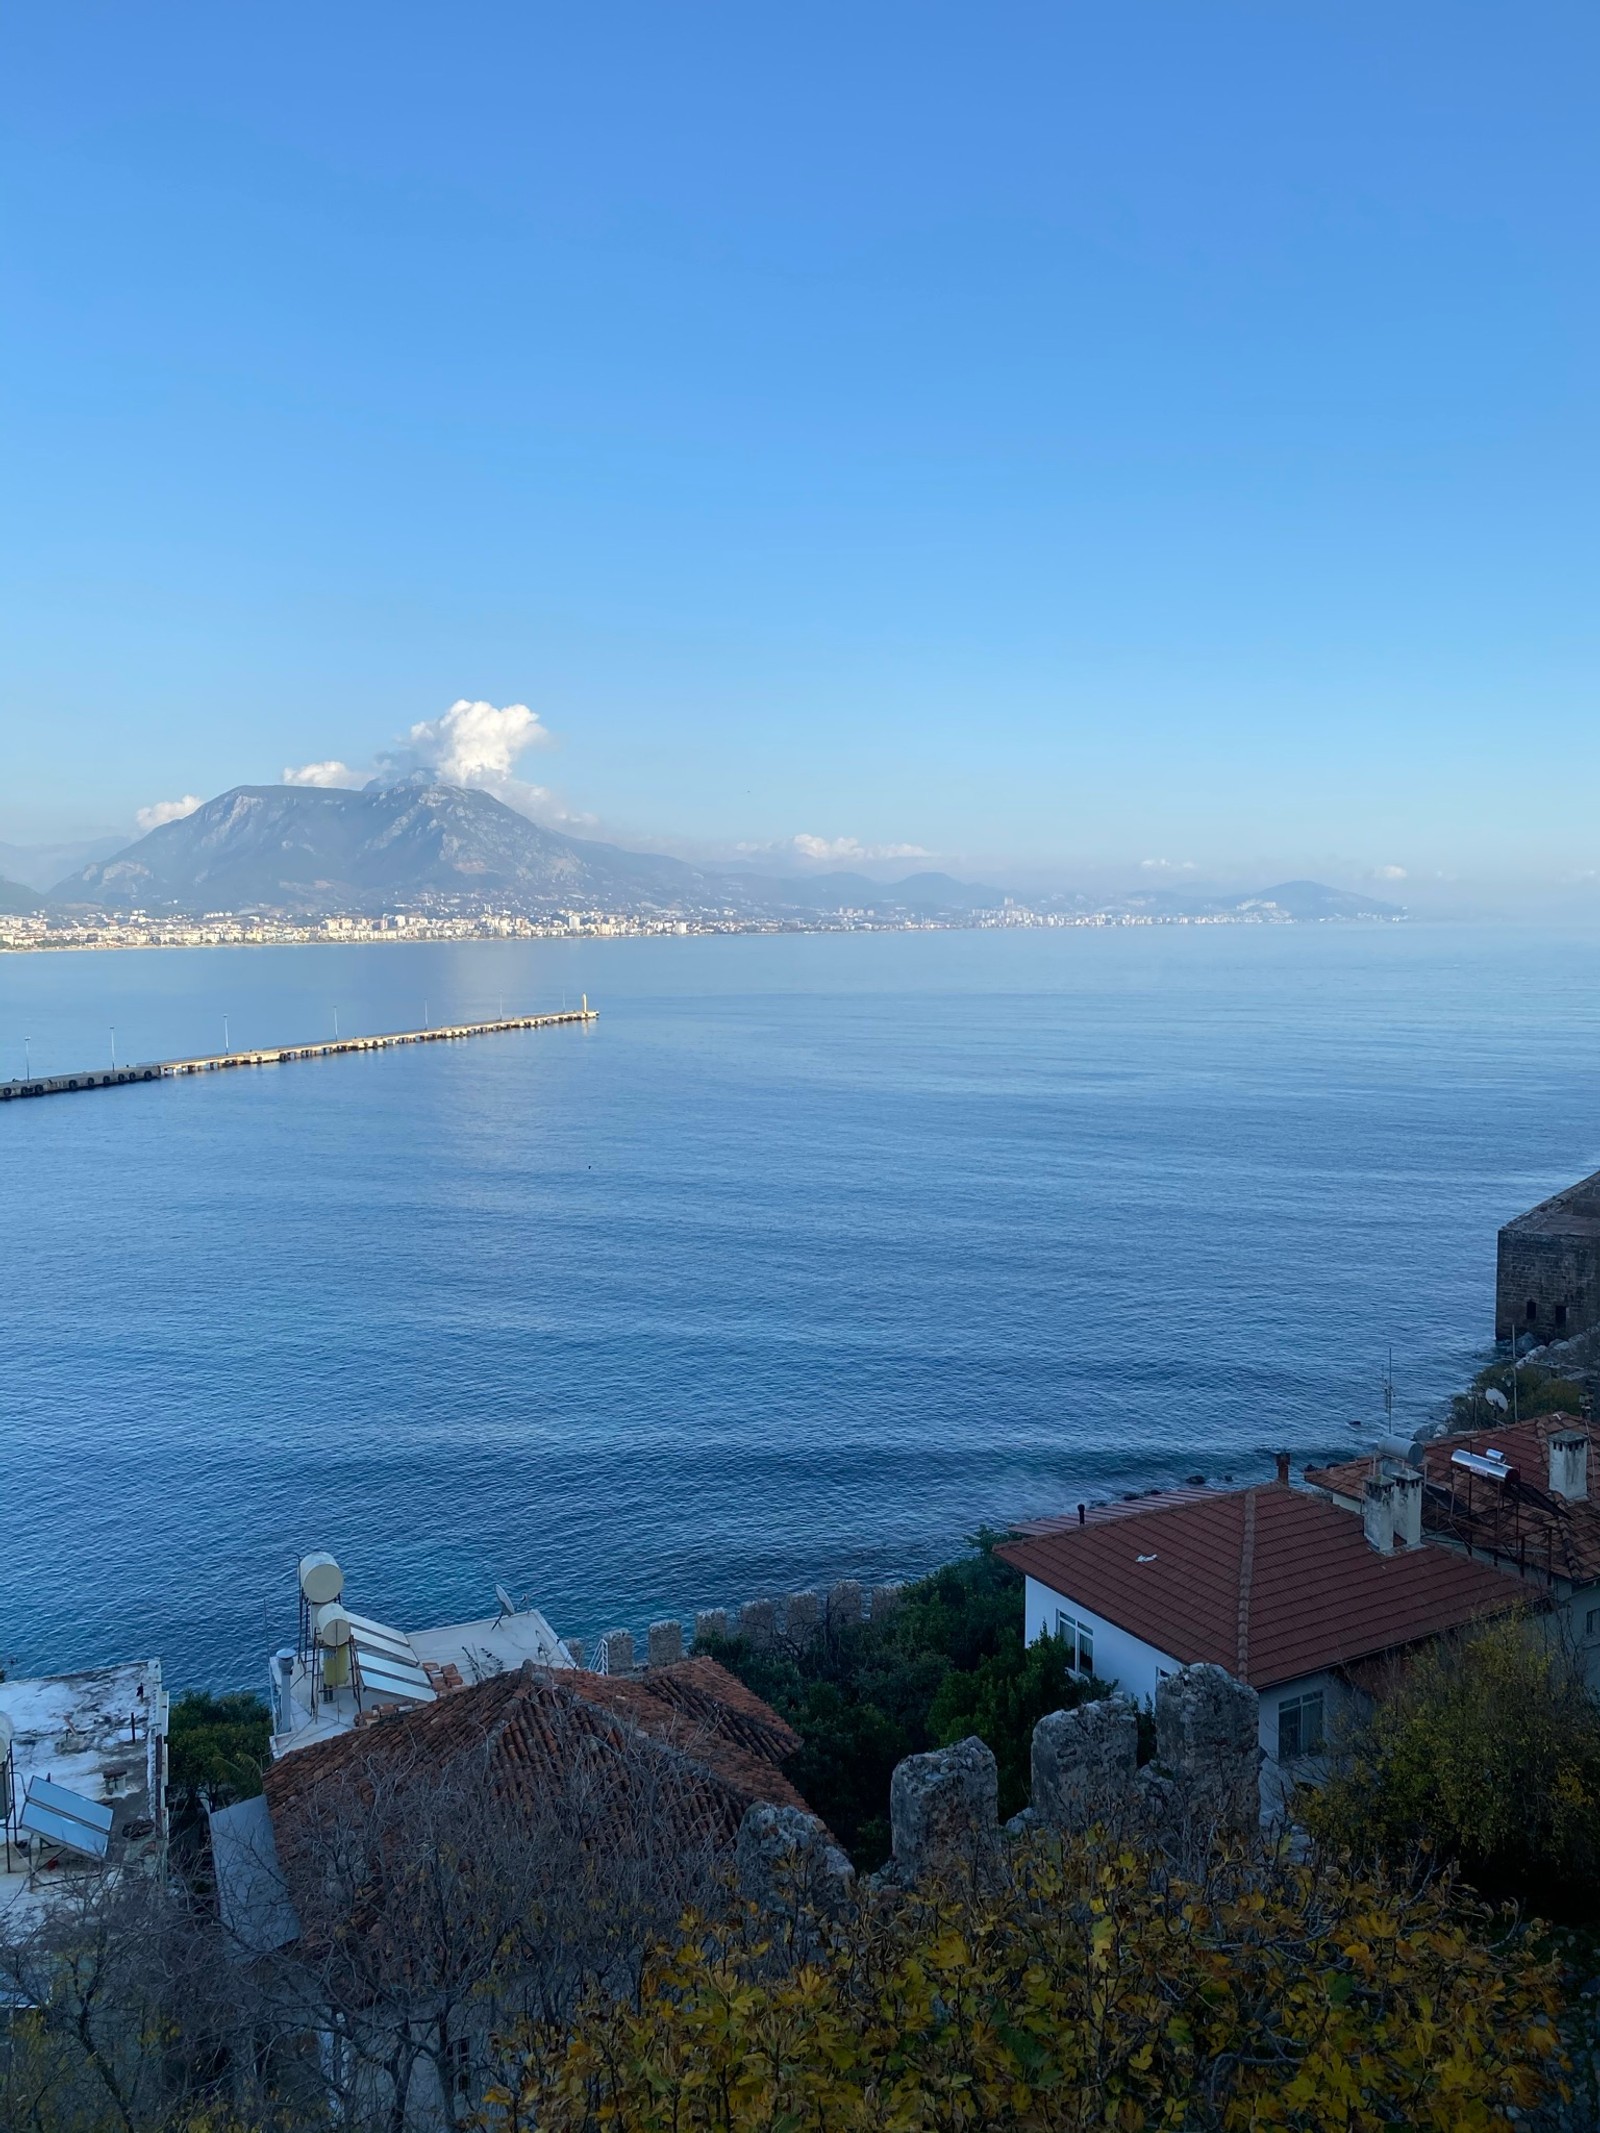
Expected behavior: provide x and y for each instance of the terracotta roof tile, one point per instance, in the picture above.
(1521, 1522)
(1308, 1593)
(720, 1744)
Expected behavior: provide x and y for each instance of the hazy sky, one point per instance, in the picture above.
(1063, 435)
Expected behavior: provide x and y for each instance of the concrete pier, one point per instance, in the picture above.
(279, 1055)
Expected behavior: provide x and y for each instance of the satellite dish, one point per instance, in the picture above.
(1496, 1399)
(508, 1606)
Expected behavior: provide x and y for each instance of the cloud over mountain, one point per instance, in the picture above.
(474, 744)
(828, 851)
(326, 776)
(159, 811)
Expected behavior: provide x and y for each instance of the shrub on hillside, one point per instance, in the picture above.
(1098, 1988)
(1486, 1751)
(1536, 1391)
(948, 1662)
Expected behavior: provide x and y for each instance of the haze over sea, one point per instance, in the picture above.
(810, 1256)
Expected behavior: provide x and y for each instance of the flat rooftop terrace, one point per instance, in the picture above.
(100, 1735)
(457, 1655)
(1573, 1213)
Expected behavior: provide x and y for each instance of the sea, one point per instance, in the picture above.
(810, 1257)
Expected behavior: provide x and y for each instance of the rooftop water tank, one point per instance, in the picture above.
(321, 1579)
(332, 1625)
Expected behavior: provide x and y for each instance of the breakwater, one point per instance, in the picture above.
(280, 1055)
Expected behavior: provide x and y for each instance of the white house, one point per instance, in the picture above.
(1289, 1592)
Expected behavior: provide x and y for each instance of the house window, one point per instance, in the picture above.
(1591, 1623)
(1532, 1311)
(1079, 1640)
(1561, 1314)
(1300, 1726)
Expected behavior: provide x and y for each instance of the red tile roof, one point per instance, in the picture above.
(716, 1745)
(1520, 1522)
(1270, 1583)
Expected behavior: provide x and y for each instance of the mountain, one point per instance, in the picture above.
(38, 866)
(1314, 900)
(307, 850)
(1298, 901)
(17, 900)
(918, 893)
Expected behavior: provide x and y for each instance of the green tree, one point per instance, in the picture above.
(1097, 1989)
(218, 1746)
(949, 1661)
(1486, 1751)
(1002, 1699)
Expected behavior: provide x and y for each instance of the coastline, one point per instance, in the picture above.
(345, 931)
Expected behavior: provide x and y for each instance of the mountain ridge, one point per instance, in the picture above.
(418, 843)
(316, 851)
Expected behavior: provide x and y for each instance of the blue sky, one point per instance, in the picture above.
(1052, 436)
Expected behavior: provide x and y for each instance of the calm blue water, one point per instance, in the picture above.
(811, 1255)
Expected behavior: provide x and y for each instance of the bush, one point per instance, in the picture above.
(950, 1661)
(218, 1747)
(1098, 1989)
(1486, 1752)
(1538, 1392)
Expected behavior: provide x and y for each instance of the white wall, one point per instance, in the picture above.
(1127, 1660)
(1135, 1667)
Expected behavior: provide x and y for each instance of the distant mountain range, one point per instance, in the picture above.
(926, 893)
(17, 899)
(416, 843)
(41, 866)
(1302, 900)
(308, 851)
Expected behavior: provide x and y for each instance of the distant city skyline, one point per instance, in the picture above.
(1051, 446)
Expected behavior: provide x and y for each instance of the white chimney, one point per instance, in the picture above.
(1391, 1508)
(1569, 1464)
(1377, 1513)
(1407, 1484)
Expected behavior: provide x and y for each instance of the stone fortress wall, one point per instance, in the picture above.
(796, 1618)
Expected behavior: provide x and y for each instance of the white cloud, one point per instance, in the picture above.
(1388, 873)
(151, 817)
(473, 743)
(833, 849)
(476, 743)
(1168, 866)
(329, 773)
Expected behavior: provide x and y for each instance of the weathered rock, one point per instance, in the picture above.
(1208, 1739)
(758, 1622)
(943, 1812)
(616, 1652)
(801, 1616)
(787, 1862)
(1084, 1762)
(885, 1599)
(844, 1603)
(666, 1643)
(710, 1622)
